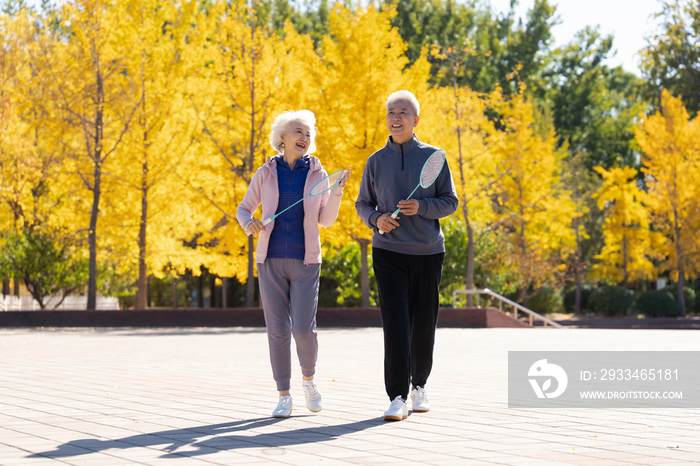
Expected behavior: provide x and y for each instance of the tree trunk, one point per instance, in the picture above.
(523, 245)
(5, 288)
(149, 292)
(212, 292)
(37, 295)
(142, 282)
(681, 283)
(174, 291)
(16, 286)
(224, 292)
(92, 240)
(625, 260)
(250, 283)
(200, 290)
(465, 209)
(679, 264)
(364, 271)
(578, 269)
(470, 257)
(96, 191)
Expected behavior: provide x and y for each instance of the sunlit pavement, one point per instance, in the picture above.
(204, 396)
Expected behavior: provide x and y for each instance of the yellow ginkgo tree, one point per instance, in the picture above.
(533, 208)
(361, 63)
(670, 140)
(29, 157)
(457, 120)
(91, 97)
(237, 91)
(628, 238)
(152, 207)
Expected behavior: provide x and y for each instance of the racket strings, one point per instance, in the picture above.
(432, 169)
(327, 183)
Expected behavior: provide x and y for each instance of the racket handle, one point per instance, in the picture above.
(264, 223)
(393, 216)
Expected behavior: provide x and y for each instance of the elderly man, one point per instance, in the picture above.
(409, 255)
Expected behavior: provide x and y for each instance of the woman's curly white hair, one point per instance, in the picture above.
(282, 123)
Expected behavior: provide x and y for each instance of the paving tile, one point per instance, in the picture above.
(203, 396)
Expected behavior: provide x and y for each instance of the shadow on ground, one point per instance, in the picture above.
(203, 440)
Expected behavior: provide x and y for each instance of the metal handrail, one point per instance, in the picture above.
(502, 299)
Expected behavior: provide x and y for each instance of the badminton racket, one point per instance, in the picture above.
(324, 185)
(428, 174)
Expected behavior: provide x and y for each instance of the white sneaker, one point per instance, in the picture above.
(419, 400)
(314, 400)
(284, 407)
(397, 410)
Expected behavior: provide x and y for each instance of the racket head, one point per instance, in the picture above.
(432, 168)
(327, 183)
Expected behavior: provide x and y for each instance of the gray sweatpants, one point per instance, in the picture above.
(289, 294)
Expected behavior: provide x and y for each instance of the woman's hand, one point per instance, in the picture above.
(256, 227)
(345, 179)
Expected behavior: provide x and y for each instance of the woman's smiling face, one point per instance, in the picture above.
(297, 139)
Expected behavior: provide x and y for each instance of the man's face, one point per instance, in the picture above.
(400, 121)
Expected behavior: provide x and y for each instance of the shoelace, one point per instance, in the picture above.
(311, 391)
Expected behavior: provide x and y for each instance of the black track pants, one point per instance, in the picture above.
(409, 300)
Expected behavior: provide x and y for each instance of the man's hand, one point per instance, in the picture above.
(386, 223)
(409, 207)
(255, 227)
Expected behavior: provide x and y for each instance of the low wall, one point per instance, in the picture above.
(244, 317)
(678, 323)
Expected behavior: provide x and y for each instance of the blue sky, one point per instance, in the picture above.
(627, 20)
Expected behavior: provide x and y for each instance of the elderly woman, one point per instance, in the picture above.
(289, 249)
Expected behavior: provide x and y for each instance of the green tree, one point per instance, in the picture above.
(342, 267)
(46, 265)
(500, 44)
(594, 107)
(671, 60)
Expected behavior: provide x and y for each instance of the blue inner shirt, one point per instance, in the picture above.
(287, 237)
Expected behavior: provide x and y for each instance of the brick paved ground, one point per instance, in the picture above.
(203, 397)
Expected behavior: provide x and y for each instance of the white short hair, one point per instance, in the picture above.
(404, 95)
(282, 123)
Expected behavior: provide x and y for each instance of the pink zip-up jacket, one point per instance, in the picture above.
(264, 189)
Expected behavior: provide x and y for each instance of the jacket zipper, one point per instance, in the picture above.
(401, 147)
